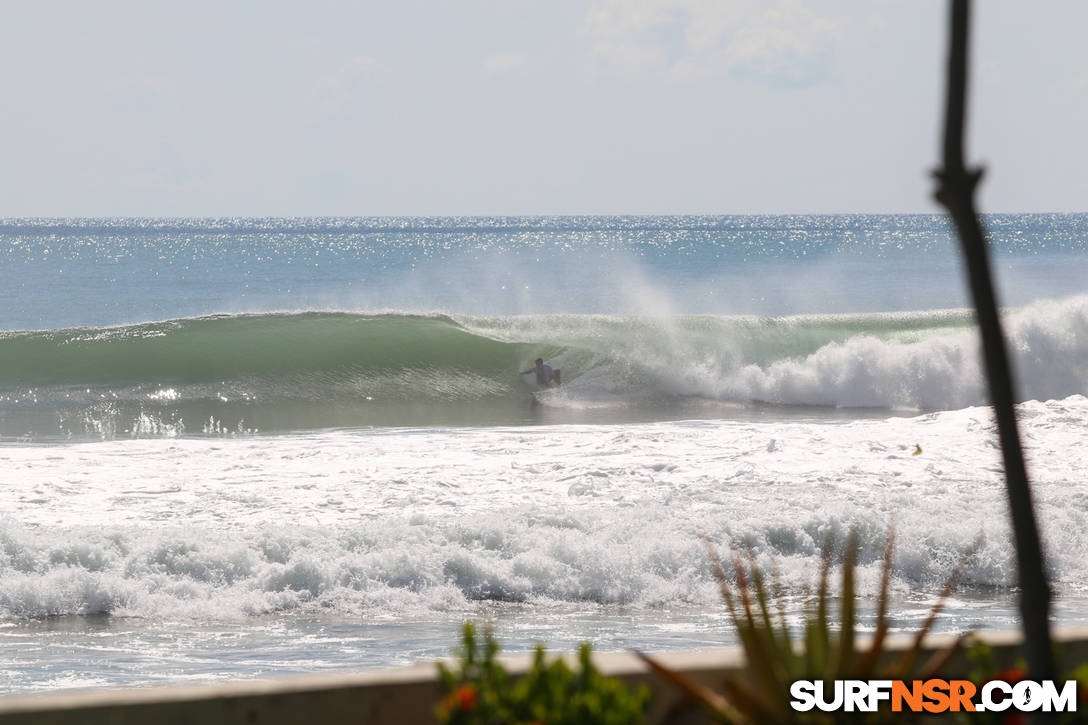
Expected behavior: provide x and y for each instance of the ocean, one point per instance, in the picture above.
(237, 448)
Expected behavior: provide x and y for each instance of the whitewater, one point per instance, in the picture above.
(238, 448)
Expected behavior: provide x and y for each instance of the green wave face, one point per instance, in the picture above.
(221, 348)
(269, 371)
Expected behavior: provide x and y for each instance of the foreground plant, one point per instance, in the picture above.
(481, 692)
(773, 662)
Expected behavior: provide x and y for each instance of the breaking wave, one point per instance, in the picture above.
(326, 369)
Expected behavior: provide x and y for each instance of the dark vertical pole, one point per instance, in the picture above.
(956, 187)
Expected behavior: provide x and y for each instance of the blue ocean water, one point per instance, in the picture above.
(96, 272)
(242, 447)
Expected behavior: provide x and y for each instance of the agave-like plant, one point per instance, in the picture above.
(773, 662)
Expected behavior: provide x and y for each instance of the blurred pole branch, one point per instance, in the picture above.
(956, 187)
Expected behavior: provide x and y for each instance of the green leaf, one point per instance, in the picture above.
(844, 652)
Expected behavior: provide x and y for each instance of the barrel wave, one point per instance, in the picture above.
(305, 370)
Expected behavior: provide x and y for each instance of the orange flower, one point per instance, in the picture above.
(465, 697)
(462, 699)
(1013, 675)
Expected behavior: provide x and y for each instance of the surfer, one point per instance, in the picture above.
(545, 375)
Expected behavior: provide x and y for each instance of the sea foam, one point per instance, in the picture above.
(402, 522)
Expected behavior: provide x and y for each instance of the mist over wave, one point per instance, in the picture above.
(293, 371)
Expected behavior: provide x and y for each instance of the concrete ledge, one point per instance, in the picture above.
(400, 696)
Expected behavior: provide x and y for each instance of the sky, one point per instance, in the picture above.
(495, 107)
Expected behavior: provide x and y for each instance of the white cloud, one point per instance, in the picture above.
(503, 63)
(337, 88)
(778, 41)
(788, 43)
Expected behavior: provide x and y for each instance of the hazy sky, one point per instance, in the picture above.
(517, 107)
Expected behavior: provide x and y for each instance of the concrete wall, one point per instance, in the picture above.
(394, 697)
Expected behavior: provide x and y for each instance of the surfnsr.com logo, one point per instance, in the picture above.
(933, 696)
